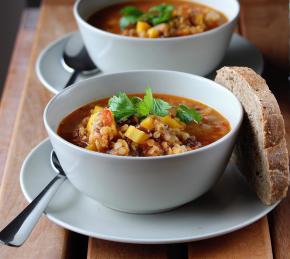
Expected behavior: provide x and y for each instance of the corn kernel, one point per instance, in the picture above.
(153, 33)
(142, 26)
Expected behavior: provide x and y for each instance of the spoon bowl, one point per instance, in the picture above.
(76, 57)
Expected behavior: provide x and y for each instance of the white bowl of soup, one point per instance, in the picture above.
(186, 36)
(144, 153)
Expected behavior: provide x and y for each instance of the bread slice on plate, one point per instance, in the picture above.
(261, 152)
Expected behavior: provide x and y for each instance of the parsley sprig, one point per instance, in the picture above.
(187, 115)
(154, 16)
(124, 107)
(131, 15)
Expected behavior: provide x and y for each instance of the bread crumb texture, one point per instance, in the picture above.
(261, 151)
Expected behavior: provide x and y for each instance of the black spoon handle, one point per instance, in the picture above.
(72, 78)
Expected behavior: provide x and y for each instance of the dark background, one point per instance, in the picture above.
(10, 15)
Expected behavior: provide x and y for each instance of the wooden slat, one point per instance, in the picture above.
(99, 249)
(251, 242)
(15, 81)
(47, 240)
(265, 23)
(279, 219)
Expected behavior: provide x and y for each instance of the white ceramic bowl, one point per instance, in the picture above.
(198, 54)
(144, 184)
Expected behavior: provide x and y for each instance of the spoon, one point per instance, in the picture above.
(19, 229)
(76, 57)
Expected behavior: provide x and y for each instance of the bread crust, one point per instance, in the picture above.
(261, 149)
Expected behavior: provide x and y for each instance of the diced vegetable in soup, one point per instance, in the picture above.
(143, 125)
(157, 18)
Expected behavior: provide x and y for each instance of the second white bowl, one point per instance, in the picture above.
(198, 54)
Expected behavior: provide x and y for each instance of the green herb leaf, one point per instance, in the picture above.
(131, 11)
(162, 8)
(135, 100)
(187, 115)
(145, 106)
(130, 16)
(121, 106)
(148, 98)
(158, 14)
(126, 21)
(162, 18)
(160, 107)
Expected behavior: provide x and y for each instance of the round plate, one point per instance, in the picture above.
(53, 74)
(229, 206)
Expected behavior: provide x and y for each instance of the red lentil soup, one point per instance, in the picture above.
(157, 18)
(98, 127)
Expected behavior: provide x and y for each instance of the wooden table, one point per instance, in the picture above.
(264, 22)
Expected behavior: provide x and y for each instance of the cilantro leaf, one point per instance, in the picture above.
(126, 21)
(131, 10)
(145, 106)
(121, 106)
(130, 16)
(162, 18)
(135, 100)
(158, 14)
(187, 115)
(148, 98)
(162, 8)
(160, 107)
(142, 109)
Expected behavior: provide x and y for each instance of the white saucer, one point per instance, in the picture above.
(229, 206)
(53, 74)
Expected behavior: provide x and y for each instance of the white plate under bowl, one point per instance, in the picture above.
(53, 74)
(229, 206)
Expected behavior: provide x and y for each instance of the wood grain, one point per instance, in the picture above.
(279, 218)
(265, 23)
(100, 249)
(251, 242)
(47, 240)
(15, 81)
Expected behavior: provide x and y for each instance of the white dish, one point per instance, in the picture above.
(197, 54)
(53, 75)
(144, 184)
(229, 206)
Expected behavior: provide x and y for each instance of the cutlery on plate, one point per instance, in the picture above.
(76, 57)
(19, 229)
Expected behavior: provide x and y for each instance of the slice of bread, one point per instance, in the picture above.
(261, 151)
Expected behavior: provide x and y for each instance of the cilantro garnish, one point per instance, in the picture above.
(123, 107)
(160, 107)
(131, 15)
(154, 16)
(161, 14)
(187, 115)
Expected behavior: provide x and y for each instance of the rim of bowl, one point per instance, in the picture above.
(109, 156)
(122, 37)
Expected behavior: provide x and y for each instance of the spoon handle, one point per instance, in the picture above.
(19, 229)
(72, 78)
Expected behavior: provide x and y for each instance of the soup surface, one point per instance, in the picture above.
(157, 18)
(156, 125)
